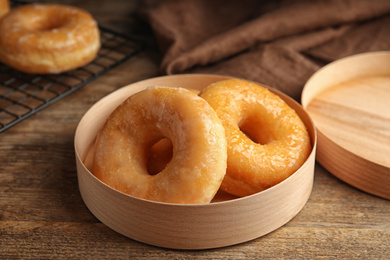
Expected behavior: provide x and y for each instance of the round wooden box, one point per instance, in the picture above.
(349, 102)
(225, 221)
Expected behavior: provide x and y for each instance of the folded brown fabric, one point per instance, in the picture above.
(277, 43)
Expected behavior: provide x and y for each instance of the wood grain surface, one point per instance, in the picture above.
(42, 215)
(356, 114)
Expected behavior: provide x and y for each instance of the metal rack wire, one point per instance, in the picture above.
(22, 95)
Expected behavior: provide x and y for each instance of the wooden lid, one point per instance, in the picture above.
(226, 221)
(349, 102)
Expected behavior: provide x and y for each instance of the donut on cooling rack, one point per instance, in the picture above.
(48, 38)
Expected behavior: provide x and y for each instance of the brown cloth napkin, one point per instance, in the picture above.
(278, 43)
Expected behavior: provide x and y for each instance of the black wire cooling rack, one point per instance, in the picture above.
(22, 95)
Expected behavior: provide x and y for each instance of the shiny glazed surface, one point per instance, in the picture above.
(267, 141)
(198, 164)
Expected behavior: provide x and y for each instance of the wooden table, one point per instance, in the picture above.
(42, 214)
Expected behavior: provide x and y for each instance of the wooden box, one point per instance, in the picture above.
(225, 221)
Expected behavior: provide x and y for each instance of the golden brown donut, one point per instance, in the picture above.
(198, 163)
(267, 141)
(4, 7)
(48, 38)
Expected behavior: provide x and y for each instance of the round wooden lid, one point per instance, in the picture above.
(349, 102)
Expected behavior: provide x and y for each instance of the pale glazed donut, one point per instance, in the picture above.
(48, 38)
(4, 7)
(280, 143)
(198, 163)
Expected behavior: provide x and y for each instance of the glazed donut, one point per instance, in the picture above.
(198, 163)
(267, 141)
(48, 38)
(4, 7)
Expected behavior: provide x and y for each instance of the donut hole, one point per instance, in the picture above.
(49, 25)
(46, 23)
(255, 128)
(160, 155)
